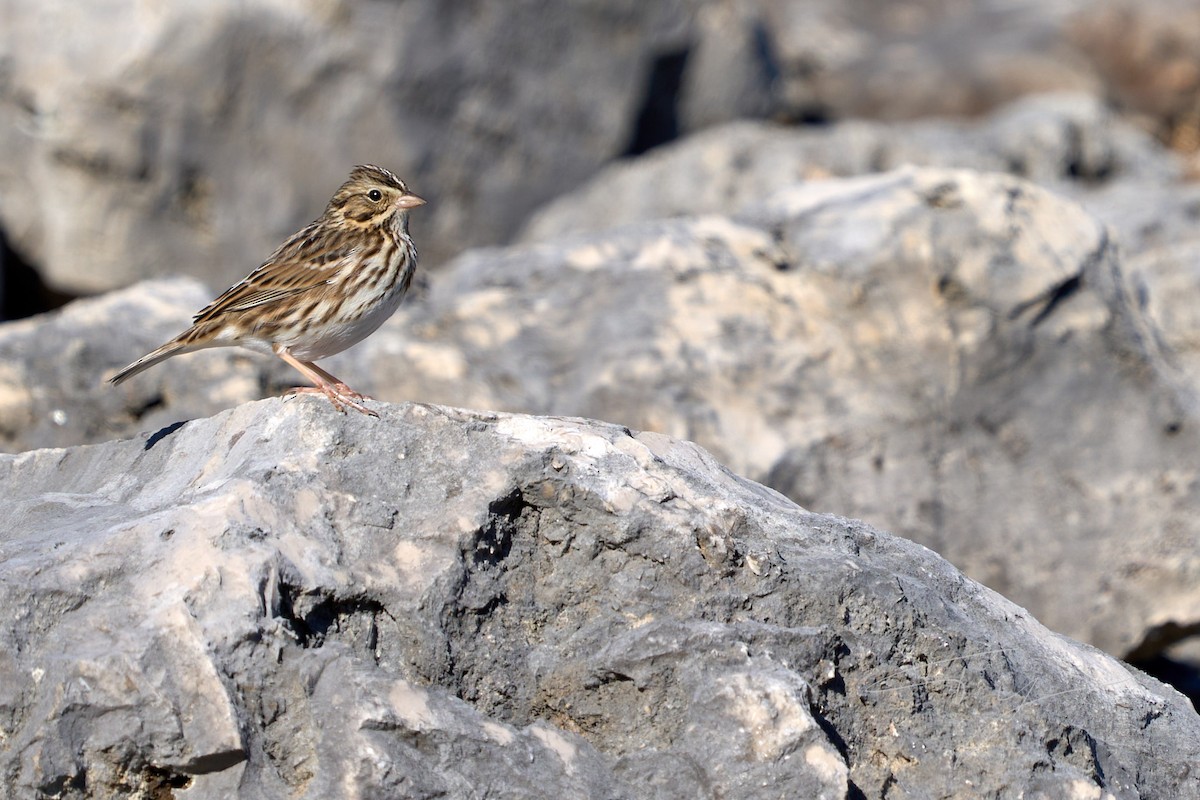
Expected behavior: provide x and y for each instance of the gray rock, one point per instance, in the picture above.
(729, 72)
(1147, 215)
(285, 602)
(1158, 227)
(53, 368)
(1070, 142)
(826, 60)
(164, 139)
(1171, 277)
(175, 139)
(835, 59)
(956, 357)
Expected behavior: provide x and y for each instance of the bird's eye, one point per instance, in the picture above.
(375, 195)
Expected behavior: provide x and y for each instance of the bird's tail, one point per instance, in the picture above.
(171, 348)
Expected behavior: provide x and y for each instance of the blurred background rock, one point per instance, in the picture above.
(156, 139)
(1005, 374)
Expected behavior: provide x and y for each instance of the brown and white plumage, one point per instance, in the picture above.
(325, 289)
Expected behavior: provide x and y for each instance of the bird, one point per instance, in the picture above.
(325, 289)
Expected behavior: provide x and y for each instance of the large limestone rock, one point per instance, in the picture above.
(284, 602)
(952, 356)
(956, 357)
(1071, 143)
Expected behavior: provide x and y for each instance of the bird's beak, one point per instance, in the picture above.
(409, 201)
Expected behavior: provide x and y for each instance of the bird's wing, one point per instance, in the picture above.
(308, 260)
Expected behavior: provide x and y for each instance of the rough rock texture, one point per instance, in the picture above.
(166, 138)
(1070, 143)
(284, 602)
(955, 357)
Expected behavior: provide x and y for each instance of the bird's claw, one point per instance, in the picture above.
(340, 395)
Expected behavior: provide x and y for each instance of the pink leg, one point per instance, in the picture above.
(338, 392)
(342, 388)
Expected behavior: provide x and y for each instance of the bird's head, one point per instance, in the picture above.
(371, 197)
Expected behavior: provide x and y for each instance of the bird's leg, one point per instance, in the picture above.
(342, 388)
(338, 393)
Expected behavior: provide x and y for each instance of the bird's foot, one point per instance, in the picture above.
(340, 395)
